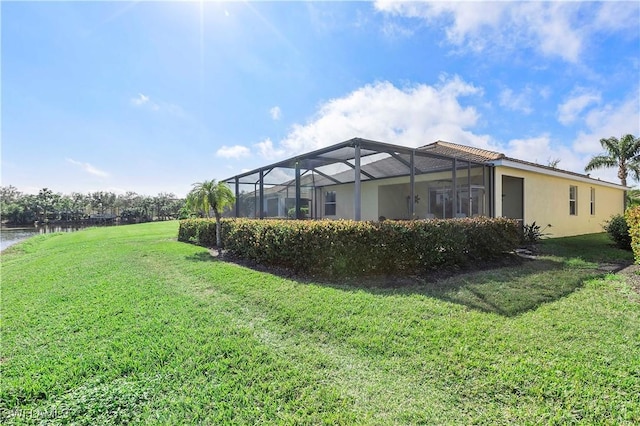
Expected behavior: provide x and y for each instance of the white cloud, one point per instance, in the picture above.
(268, 151)
(517, 101)
(580, 99)
(555, 29)
(542, 150)
(236, 151)
(275, 112)
(88, 168)
(613, 16)
(396, 30)
(410, 116)
(606, 121)
(144, 101)
(140, 100)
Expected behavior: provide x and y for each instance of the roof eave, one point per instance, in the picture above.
(519, 164)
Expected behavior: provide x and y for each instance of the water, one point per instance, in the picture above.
(10, 236)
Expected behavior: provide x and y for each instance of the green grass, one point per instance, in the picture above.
(591, 248)
(126, 325)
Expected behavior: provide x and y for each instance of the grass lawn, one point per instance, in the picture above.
(124, 324)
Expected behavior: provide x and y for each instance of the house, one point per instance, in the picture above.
(362, 179)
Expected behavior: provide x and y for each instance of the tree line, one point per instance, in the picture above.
(19, 208)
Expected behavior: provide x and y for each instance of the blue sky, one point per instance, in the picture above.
(152, 97)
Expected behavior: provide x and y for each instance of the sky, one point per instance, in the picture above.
(153, 96)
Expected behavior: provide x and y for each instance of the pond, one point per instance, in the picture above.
(12, 235)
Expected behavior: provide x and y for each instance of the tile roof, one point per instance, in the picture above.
(462, 152)
(469, 153)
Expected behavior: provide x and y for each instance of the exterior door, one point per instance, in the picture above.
(513, 197)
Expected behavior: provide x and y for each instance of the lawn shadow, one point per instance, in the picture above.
(203, 256)
(508, 288)
(509, 291)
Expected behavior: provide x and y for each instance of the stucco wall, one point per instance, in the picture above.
(345, 205)
(546, 201)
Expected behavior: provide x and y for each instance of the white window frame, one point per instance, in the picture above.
(330, 203)
(573, 200)
(593, 201)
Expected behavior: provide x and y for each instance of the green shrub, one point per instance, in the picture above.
(342, 247)
(533, 233)
(304, 211)
(632, 216)
(198, 231)
(618, 230)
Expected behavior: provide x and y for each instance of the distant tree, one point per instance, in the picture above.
(167, 206)
(79, 205)
(97, 201)
(64, 207)
(46, 201)
(27, 211)
(211, 196)
(623, 153)
(10, 203)
(145, 204)
(131, 207)
(9, 194)
(102, 201)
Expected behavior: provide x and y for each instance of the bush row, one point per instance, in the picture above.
(198, 231)
(341, 248)
(632, 216)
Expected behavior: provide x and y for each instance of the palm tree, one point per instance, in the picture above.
(211, 196)
(623, 152)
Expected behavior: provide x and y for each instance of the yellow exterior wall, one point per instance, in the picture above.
(345, 205)
(546, 201)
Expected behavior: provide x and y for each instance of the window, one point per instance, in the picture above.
(330, 203)
(593, 201)
(573, 200)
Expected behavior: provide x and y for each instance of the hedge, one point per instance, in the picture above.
(343, 247)
(198, 231)
(632, 216)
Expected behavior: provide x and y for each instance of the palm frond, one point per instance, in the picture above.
(601, 161)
